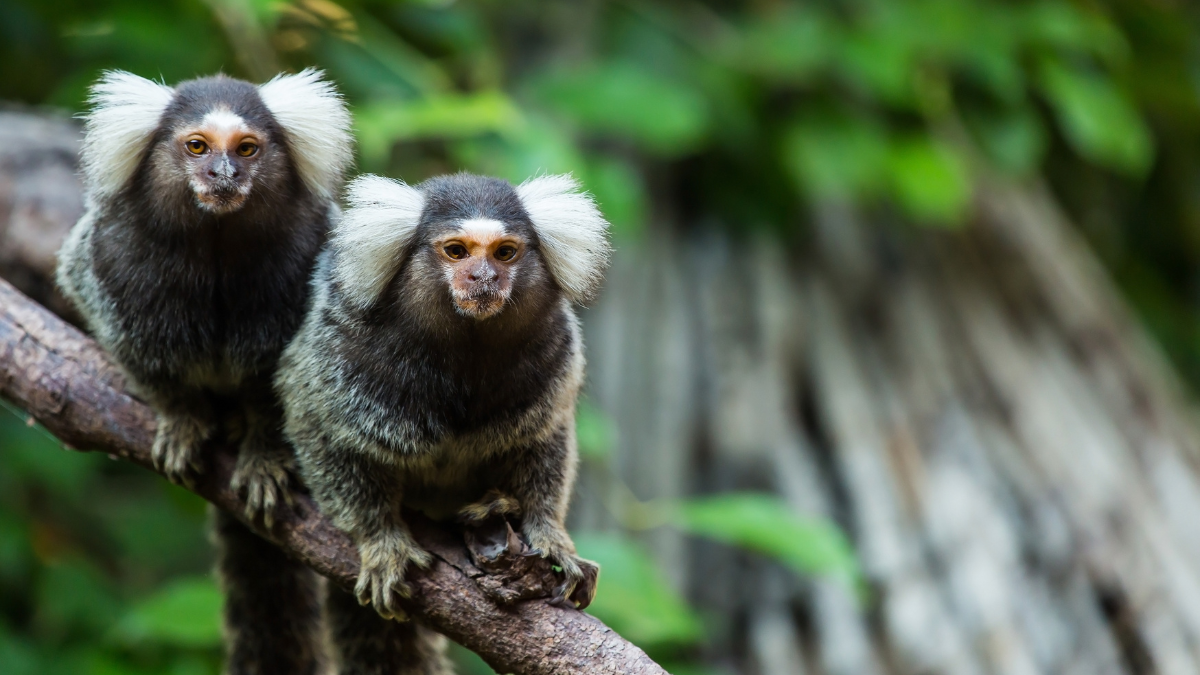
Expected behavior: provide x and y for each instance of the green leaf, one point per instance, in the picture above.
(790, 45)
(18, 656)
(32, 455)
(837, 155)
(379, 125)
(16, 552)
(1014, 139)
(186, 613)
(619, 191)
(929, 181)
(595, 431)
(634, 598)
(1099, 120)
(627, 100)
(765, 524)
(1065, 25)
(73, 596)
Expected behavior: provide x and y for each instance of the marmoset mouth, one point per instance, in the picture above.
(222, 201)
(222, 196)
(479, 305)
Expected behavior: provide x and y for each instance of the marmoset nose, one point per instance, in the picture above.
(223, 169)
(482, 273)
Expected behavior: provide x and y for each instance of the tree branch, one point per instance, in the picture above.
(485, 595)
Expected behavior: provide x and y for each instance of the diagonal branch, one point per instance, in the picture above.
(487, 596)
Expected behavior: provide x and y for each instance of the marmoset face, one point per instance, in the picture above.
(480, 262)
(221, 155)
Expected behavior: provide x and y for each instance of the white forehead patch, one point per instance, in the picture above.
(223, 120)
(481, 228)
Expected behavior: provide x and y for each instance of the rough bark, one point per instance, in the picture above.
(488, 597)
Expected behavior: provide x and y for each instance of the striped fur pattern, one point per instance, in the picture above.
(396, 394)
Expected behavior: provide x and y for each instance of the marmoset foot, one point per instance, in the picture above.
(262, 476)
(385, 560)
(580, 575)
(176, 450)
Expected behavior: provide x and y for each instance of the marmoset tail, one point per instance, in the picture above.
(206, 205)
(438, 369)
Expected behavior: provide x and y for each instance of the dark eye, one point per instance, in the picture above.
(247, 149)
(196, 146)
(456, 251)
(506, 253)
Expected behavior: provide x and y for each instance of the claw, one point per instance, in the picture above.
(381, 582)
(261, 477)
(176, 451)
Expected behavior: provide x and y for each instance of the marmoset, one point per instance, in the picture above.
(206, 205)
(438, 369)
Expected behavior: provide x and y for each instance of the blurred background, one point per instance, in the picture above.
(895, 367)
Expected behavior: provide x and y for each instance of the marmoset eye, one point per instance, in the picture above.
(506, 253)
(456, 251)
(196, 146)
(247, 149)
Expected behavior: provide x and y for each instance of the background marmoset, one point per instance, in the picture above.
(206, 206)
(438, 369)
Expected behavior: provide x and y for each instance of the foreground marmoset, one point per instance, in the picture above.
(438, 369)
(206, 205)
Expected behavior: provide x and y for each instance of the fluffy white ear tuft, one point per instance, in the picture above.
(371, 236)
(125, 110)
(317, 124)
(573, 233)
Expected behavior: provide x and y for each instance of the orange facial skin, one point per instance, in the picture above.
(222, 151)
(479, 266)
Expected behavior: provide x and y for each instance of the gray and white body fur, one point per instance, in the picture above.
(206, 205)
(439, 366)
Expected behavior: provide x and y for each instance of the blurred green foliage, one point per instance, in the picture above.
(103, 568)
(670, 111)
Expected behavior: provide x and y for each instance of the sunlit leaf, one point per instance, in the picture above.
(625, 99)
(185, 613)
(881, 64)
(837, 156)
(765, 524)
(929, 181)
(1098, 119)
(538, 146)
(379, 125)
(633, 597)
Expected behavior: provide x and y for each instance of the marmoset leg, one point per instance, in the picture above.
(272, 604)
(366, 644)
(265, 461)
(185, 422)
(539, 478)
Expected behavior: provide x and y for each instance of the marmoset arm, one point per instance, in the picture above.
(67, 383)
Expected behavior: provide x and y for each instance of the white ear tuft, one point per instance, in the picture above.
(573, 233)
(380, 222)
(316, 121)
(125, 111)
